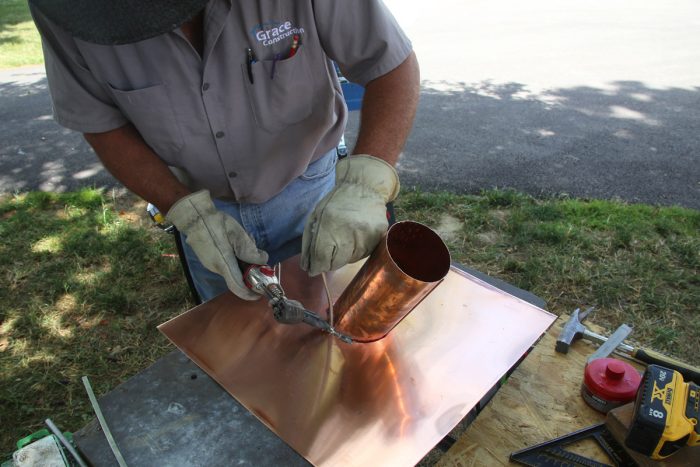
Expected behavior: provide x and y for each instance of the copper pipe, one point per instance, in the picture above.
(409, 262)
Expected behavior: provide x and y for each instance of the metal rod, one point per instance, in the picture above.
(611, 343)
(598, 339)
(66, 444)
(103, 423)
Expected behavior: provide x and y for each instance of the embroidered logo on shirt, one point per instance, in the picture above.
(272, 32)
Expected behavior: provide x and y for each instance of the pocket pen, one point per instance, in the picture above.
(249, 64)
(295, 45)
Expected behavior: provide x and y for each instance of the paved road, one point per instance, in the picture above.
(591, 98)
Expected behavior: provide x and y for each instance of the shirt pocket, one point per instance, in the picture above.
(151, 112)
(281, 92)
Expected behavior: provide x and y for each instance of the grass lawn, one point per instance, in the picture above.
(85, 279)
(84, 283)
(19, 39)
(637, 264)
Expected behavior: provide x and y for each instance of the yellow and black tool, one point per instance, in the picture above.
(666, 414)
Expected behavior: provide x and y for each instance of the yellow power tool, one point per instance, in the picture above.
(666, 414)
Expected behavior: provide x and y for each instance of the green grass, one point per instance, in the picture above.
(83, 286)
(637, 264)
(19, 40)
(85, 280)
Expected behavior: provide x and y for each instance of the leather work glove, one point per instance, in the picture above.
(217, 240)
(347, 224)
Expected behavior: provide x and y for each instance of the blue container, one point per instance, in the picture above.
(353, 93)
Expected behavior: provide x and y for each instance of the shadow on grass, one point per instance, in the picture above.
(82, 293)
(12, 13)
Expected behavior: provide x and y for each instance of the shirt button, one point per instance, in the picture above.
(232, 174)
(219, 134)
(205, 86)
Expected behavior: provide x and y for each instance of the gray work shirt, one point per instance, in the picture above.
(241, 133)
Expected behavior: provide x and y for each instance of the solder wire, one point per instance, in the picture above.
(330, 301)
(103, 422)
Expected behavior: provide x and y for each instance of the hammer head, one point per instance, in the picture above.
(572, 330)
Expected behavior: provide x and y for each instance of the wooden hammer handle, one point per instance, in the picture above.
(689, 372)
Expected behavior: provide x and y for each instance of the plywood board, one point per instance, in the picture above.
(540, 401)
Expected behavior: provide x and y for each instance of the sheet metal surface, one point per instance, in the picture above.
(382, 403)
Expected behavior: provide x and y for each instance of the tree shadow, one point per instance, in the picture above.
(628, 141)
(89, 306)
(35, 152)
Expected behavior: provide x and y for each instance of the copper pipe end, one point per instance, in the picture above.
(409, 262)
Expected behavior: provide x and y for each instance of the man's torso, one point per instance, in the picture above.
(238, 108)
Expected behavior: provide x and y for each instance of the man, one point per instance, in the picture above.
(225, 114)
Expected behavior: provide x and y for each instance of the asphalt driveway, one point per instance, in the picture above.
(590, 98)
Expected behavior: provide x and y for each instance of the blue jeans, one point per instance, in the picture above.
(276, 225)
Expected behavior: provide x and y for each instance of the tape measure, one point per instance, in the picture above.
(666, 414)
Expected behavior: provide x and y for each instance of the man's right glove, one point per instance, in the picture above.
(217, 239)
(349, 222)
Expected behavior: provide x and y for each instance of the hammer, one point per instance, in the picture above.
(575, 329)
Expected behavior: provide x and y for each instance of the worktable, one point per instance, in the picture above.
(540, 401)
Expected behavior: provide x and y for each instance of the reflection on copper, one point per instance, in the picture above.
(386, 402)
(409, 262)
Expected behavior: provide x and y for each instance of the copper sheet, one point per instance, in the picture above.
(407, 264)
(383, 403)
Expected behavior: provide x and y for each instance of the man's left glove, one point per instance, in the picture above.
(217, 240)
(347, 224)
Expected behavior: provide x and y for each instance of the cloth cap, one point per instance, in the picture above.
(115, 22)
